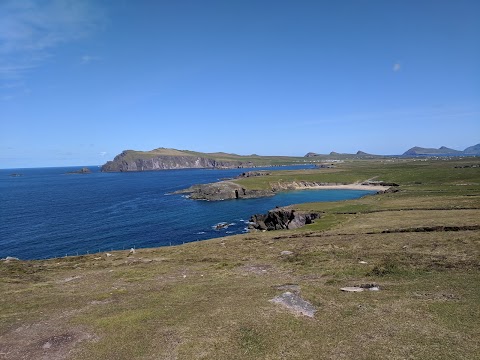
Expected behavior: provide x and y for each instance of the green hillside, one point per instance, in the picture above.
(212, 299)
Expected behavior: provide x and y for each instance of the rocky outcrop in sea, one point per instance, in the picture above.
(81, 171)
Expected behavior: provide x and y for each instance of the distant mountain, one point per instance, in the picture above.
(358, 154)
(472, 150)
(414, 151)
(442, 151)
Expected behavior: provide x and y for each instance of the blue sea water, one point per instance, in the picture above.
(46, 213)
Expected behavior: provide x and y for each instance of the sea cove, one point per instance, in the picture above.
(46, 213)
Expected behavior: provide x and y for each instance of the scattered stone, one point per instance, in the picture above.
(371, 287)
(363, 262)
(10, 258)
(108, 254)
(286, 253)
(295, 303)
(71, 278)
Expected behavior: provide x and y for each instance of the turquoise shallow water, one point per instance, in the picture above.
(45, 213)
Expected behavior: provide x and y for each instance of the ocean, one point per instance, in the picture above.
(47, 213)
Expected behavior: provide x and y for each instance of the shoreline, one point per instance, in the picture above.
(344, 187)
(230, 190)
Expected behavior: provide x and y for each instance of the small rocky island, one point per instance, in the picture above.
(84, 170)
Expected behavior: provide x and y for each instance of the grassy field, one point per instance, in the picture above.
(211, 299)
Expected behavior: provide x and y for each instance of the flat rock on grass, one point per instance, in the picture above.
(295, 303)
(363, 287)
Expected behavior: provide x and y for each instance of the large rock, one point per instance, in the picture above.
(282, 219)
(84, 170)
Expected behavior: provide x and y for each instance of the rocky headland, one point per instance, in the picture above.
(126, 162)
(226, 190)
(165, 159)
(223, 190)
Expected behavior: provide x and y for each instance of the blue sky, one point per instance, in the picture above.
(81, 80)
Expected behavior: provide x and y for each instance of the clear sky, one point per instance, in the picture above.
(82, 80)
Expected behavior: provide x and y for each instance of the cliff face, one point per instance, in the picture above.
(126, 162)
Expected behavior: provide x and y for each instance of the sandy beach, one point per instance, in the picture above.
(345, 187)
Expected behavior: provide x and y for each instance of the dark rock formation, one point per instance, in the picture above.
(81, 171)
(223, 190)
(281, 219)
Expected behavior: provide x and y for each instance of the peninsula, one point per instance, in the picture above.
(165, 159)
